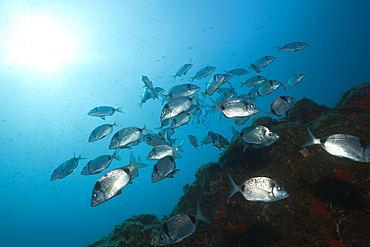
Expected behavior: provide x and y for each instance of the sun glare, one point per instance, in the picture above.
(40, 43)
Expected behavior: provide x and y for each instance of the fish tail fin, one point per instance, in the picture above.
(279, 48)
(283, 86)
(180, 149)
(146, 128)
(174, 77)
(234, 187)
(241, 84)
(215, 106)
(81, 157)
(235, 134)
(119, 109)
(200, 215)
(312, 140)
(164, 98)
(141, 105)
(139, 164)
(115, 155)
(135, 165)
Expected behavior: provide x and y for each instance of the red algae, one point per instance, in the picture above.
(342, 174)
(334, 243)
(230, 226)
(319, 208)
(364, 102)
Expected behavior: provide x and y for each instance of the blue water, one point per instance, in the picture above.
(43, 114)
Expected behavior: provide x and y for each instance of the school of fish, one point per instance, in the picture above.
(185, 102)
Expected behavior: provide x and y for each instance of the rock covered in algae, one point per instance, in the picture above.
(329, 197)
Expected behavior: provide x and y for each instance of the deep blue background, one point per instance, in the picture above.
(43, 117)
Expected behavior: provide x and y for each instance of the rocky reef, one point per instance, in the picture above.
(329, 196)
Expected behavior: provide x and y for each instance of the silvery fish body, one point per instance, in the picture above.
(215, 82)
(193, 141)
(264, 61)
(225, 97)
(99, 163)
(237, 71)
(153, 140)
(253, 81)
(180, 120)
(204, 72)
(268, 87)
(179, 227)
(248, 97)
(238, 108)
(149, 94)
(66, 168)
(112, 183)
(161, 151)
(255, 135)
(259, 189)
(165, 167)
(103, 111)
(294, 79)
(175, 106)
(281, 105)
(148, 83)
(294, 46)
(182, 90)
(241, 121)
(343, 146)
(166, 132)
(126, 136)
(183, 69)
(218, 140)
(101, 132)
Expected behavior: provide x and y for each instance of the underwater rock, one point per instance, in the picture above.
(329, 196)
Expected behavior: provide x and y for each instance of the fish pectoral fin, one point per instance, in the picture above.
(173, 173)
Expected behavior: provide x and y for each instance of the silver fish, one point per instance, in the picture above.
(112, 183)
(179, 227)
(253, 81)
(182, 90)
(218, 140)
(268, 87)
(262, 62)
(153, 140)
(237, 71)
(237, 108)
(164, 168)
(149, 94)
(161, 151)
(215, 82)
(99, 163)
(204, 72)
(193, 141)
(294, 79)
(281, 105)
(127, 136)
(180, 120)
(254, 135)
(104, 111)
(342, 145)
(175, 106)
(241, 121)
(101, 132)
(66, 168)
(259, 189)
(294, 46)
(183, 70)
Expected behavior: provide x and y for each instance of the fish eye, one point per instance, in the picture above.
(253, 106)
(152, 174)
(162, 236)
(280, 188)
(163, 112)
(94, 195)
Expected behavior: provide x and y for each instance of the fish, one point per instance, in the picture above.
(237, 71)
(258, 189)
(342, 145)
(241, 121)
(237, 108)
(207, 139)
(175, 106)
(253, 81)
(193, 141)
(255, 136)
(180, 120)
(294, 80)
(164, 168)
(153, 140)
(182, 90)
(112, 183)
(215, 82)
(218, 140)
(281, 105)
(149, 94)
(161, 151)
(262, 62)
(183, 70)
(101, 131)
(204, 72)
(128, 136)
(294, 46)
(66, 168)
(104, 111)
(267, 87)
(180, 226)
(99, 163)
